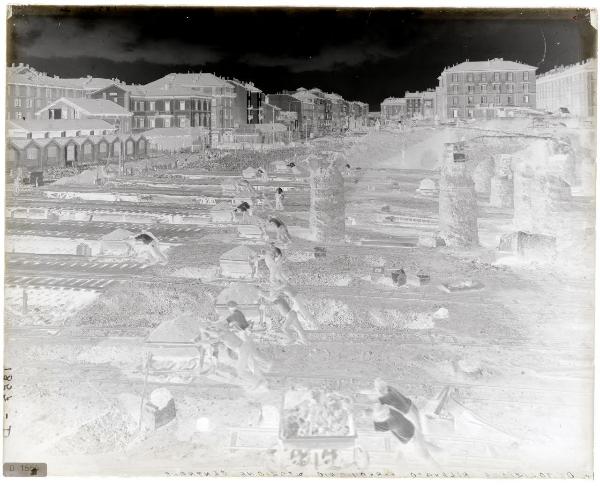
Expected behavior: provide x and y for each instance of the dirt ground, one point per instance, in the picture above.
(517, 353)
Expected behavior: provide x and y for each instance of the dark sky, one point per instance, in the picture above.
(362, 54)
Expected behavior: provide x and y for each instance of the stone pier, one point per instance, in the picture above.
(327, 203)
(541, 196)
(501, 185)
(457, 200)
(482, 176)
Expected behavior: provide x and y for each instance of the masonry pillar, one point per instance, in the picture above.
(327, 203)
(482, 176)
(457, 200)
(501, 185)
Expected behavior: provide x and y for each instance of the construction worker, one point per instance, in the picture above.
(283, 235)
(296, 302)
(396, 413)
(243, 209)
(274, 260)
(291, 325)
(279, 199)
(150, 246)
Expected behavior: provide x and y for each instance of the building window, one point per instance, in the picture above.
(32, 153)
(526, 99)
(496, 76)
(182, 122)
(510, 100)
(455, 89)
(142, 106)
(525, 76)
(182, 105)
(483, 87)
(469, 100)
(525, 87)
(470, 88)
(52, 151)
(510, 88)
(87, 148)
(469, 77)
(484, 99)
(497, 99)
(510, 76)
(18, 115)
(470, 113)
(17, 102)
(455, 100)
(151, 123)
(496, 88)
(151, 105)
(29, 103)
(455, 78)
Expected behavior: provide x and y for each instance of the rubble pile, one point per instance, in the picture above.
(457, 201)
(144, 306)
(315, 413)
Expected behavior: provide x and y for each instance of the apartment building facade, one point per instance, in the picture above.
(28, 90)
(486, 89)
(288, 104)
(198, 89)
(569, 87)
(248, 103)
(168, 107)
(393, 110)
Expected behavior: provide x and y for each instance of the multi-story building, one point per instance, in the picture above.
(29, 90)
(220, 92)
(288, 104)
(571, 87)
(393, 110)
(313, 110)
(248, 103)
(487, 89)
(358, 114)
(116, 92)
(339, 112)
(270, 113)
(428, 100)
(169, 106)
(414, 104)
(323, 111)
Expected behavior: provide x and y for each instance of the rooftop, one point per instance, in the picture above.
(189, 80)
(91, 106)
(497, 64)
(587, 64)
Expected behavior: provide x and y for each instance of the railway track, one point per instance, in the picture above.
(82, 267)
(509, 394)
(389, 340)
